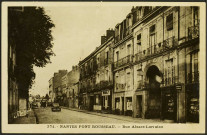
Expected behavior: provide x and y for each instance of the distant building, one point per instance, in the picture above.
(73, 87)
(51, 89)
(57, 86)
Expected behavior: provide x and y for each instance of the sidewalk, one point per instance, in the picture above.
(119, 117)
(30, 119)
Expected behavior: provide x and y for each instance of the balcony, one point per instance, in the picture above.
(170, 80)
(193, 32)
(105, 84)
(193, 77)
(156, 49)
(124, 61)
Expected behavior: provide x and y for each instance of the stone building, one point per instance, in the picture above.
(73, 87)
(13, 96)
(123, 67)
(96, 76)
(166, 46)
(57, 86)
(51, 89)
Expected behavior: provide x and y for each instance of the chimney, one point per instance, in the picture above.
(110, 33)
(103, 39)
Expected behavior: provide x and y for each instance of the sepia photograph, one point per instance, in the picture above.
(103, 67)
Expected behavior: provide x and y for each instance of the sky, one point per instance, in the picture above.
(77, 32)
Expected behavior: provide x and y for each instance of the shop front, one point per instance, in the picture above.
(128, 111)
(192, 94)
(169, 103)
(106, 101)
(97, 102)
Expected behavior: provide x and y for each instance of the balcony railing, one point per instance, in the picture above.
(156, 48)
(193, 32)
(105, 84)
(123, 61)
(193, 77)
(170, 80)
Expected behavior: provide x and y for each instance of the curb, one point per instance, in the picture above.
(94, 114)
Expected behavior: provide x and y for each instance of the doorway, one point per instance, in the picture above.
(154, 98)
(122, 111)
(91, 103)
(139, 106)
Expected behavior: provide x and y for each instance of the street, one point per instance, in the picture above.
(46, 116)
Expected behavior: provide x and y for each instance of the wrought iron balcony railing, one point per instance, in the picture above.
(123, 61)
(193, 32)
(156, 48)
(193, 77)
(170, 80)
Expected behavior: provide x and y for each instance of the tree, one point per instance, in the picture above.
(30, 31)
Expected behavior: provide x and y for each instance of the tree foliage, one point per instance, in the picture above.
(30, 31)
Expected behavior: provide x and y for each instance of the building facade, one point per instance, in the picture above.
(51, 89)
(73, 87)
(57, 86)
(13, 96)
(96, 76)
(148, 67)
(166, 46)
(123, 67)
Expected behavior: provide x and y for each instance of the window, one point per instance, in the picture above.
(193, 68)
(169, 22)
(107, 57)
(195, 16)
(128, 80)
(169, 72)
(139, 39)
(152, 30)
(152, 38)
(128, 49)
(117, 55)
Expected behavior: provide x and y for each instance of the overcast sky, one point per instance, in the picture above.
(77, 32)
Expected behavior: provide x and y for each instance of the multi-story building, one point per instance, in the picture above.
(96, 76)
(13, 98)
(123, 67)
(51, 89)
(73, 87)
(165, 64)
(57, 86)
(64, 83)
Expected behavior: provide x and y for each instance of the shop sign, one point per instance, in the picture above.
(106, 93)
(178, 87)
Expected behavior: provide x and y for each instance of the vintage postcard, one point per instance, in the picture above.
(103, 67)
